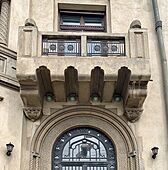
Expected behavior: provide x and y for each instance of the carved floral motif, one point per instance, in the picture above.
(133, 114)
(32, 113)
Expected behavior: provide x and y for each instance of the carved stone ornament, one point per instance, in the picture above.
(30, 22)
(32, 113)
(133, 114)
(4, 19)
(135, 24)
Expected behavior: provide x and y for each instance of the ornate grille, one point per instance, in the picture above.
(62, 47)
(114, 47)
(83, 149)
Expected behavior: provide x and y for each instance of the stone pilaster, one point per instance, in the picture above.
(4, 18)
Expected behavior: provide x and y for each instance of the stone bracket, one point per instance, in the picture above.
(33, 113)
(137, 94)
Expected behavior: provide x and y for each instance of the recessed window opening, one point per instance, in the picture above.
(82, 20)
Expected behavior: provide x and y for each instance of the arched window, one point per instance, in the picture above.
(83, 149)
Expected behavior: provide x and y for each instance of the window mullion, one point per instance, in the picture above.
(82, 22)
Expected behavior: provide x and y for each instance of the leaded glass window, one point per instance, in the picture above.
(83, 149)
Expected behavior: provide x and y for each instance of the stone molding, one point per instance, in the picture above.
(8, 76)
(133, 114)
(76, 116)
(8, 52)
(32, 113)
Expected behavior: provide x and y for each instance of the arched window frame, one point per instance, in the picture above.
(108, 162)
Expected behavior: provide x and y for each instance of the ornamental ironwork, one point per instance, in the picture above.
(65, 47)
(115, 47)
(52, 47)
(83, 149)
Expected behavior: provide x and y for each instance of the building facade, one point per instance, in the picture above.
(81, 85)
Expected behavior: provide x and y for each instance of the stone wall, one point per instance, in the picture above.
(10, 128)
(149, 131)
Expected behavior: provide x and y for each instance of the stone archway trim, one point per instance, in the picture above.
(88, 113)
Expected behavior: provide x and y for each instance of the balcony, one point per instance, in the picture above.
(83, 67)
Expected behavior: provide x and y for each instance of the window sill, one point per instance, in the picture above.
(82, 28)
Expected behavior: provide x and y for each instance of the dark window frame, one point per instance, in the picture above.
(82, 27)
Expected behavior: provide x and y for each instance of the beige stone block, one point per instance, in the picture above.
(138, 39)
(28, 37)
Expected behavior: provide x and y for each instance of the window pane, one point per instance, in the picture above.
(84, 148)
(93, 20)
(82, 21)
(71, 20)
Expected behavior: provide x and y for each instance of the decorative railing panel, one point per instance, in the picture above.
(114, 47)
(61, 47)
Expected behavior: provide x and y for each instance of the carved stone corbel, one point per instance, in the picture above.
(137, 94)
(32, 113)
(133, 114)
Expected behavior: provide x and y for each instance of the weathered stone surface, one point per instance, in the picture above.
(150, 130)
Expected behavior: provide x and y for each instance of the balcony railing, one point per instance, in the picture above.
(114, 47)
(72, 47)
(61, 47)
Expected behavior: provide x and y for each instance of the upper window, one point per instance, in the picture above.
(82, 21)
